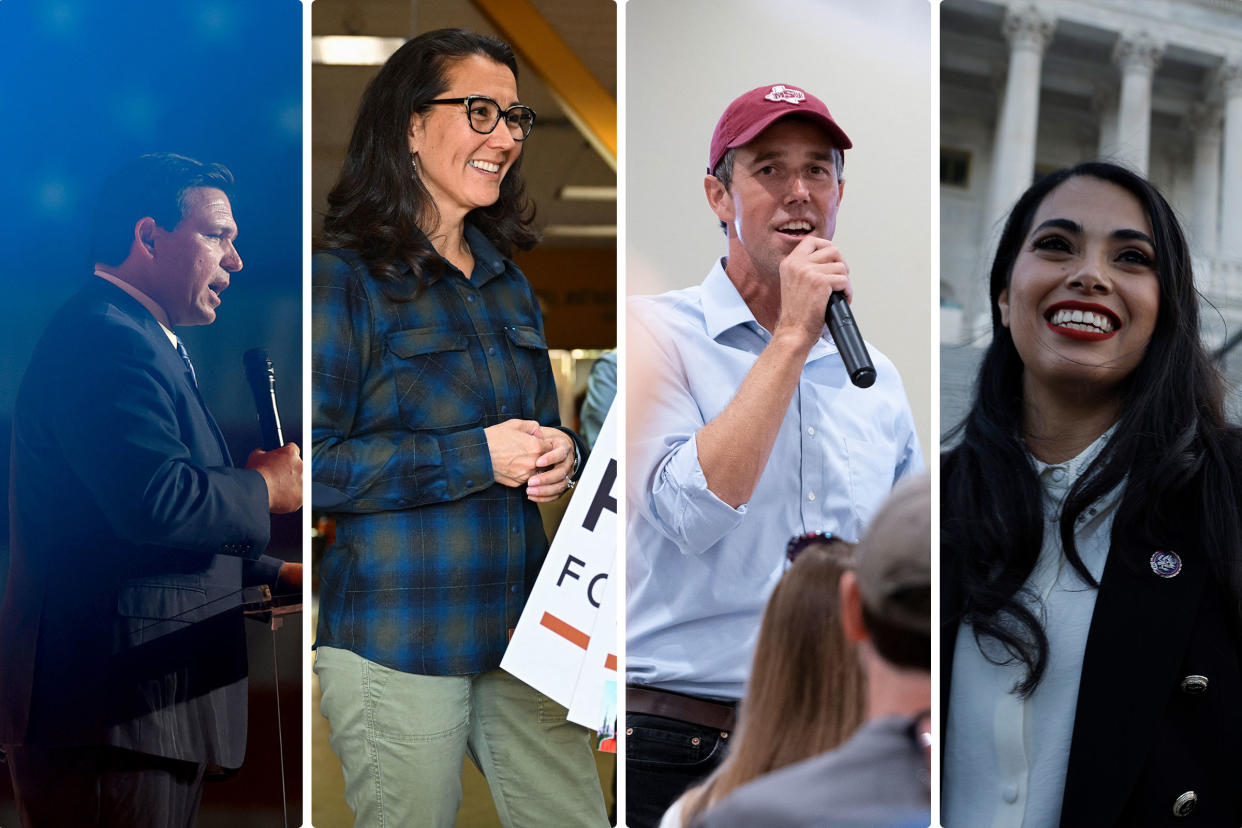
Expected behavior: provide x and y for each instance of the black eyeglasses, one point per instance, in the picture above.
(800, 542)
(484, 113)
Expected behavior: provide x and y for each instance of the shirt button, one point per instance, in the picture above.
(810, 430)
(513, 589)
(810, 496)
(468, 483)
(504, 409)
(1010, 793)
(515, 530)
(470, 298)
(1058, 475)
(492, 350)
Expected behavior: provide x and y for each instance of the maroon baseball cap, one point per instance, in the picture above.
(753, 112)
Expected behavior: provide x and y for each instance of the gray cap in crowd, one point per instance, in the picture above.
(893, 560)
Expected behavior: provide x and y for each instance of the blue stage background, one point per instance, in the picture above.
(87, 85)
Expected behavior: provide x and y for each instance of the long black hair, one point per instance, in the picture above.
(379, 206)
(1171, 445)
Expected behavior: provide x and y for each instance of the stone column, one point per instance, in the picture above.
(1104, 102)
(1138, 54)
(1203, 122)
(1028, 30)
(1230, 243)
(1013, 160)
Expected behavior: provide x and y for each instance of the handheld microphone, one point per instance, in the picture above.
(263, 386)
(849, 341)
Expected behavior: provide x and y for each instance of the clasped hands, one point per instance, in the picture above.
(524, 452)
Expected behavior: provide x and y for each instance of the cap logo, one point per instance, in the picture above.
(786, 94)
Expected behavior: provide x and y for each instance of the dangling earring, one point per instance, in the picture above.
(413, 161)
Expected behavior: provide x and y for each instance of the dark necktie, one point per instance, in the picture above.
(185, 357)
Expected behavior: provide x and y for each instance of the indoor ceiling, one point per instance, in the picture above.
(558, 154)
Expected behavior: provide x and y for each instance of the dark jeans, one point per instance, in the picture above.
(108, 787)
(664, 757)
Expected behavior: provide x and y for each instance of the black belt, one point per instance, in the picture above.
(718, 715)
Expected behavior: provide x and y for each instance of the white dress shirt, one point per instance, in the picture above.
(1006, 756)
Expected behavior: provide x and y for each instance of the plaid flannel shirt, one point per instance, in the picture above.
(433, 560)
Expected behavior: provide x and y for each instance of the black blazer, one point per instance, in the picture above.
(1142, 737)
(131, 537)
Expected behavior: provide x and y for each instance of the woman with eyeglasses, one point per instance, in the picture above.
(436, 433)
(806, 691)
(1091, 539)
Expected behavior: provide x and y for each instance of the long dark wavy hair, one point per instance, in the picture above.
(1171, 445)
(379, 206)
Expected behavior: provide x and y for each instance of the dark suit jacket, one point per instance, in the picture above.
(131, 535)
(1140, 740)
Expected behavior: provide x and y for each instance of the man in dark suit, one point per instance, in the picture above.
(122, 652)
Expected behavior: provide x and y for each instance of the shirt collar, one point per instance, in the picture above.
(1058, 478)
(486, 257)
(146, 301)
(723, 306)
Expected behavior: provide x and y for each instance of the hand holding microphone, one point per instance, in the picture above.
(813, 268)
(280, 464)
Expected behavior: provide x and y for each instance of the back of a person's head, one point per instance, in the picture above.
(893, 568)
(807, 692)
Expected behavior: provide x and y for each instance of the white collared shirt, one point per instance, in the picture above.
(1006, 756)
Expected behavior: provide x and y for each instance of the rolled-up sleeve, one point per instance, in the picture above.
(667, 484)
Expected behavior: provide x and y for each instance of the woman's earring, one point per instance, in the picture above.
(413, 162)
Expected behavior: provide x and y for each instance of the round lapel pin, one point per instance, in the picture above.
(1166, 564)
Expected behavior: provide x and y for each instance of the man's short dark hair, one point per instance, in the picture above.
(151, 185)
(723, 171)
(896, 645)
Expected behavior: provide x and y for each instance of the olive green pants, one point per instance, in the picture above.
(401, 739)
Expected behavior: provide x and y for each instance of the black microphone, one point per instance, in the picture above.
(849, 341)
(263, 386)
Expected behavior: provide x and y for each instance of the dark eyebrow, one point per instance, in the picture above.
(1062, 224)
(1133, 235)
(1074, 227)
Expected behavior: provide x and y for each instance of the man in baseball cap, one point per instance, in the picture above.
(743, 431)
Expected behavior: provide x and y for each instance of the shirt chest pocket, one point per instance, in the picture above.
(871, 468)
(529, 351)
(436, 383)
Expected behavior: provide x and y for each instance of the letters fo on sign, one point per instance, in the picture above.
(549, 645)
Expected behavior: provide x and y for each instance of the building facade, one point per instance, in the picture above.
(1028, 87)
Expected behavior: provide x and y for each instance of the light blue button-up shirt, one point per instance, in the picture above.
(699, 572)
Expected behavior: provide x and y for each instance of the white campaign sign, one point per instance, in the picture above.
(600, 665)
(549, 645)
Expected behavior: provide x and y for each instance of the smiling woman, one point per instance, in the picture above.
(435, 435)
(1083, 296)
(1091, 585)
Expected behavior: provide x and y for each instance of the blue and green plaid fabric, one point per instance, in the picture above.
(433, 560)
